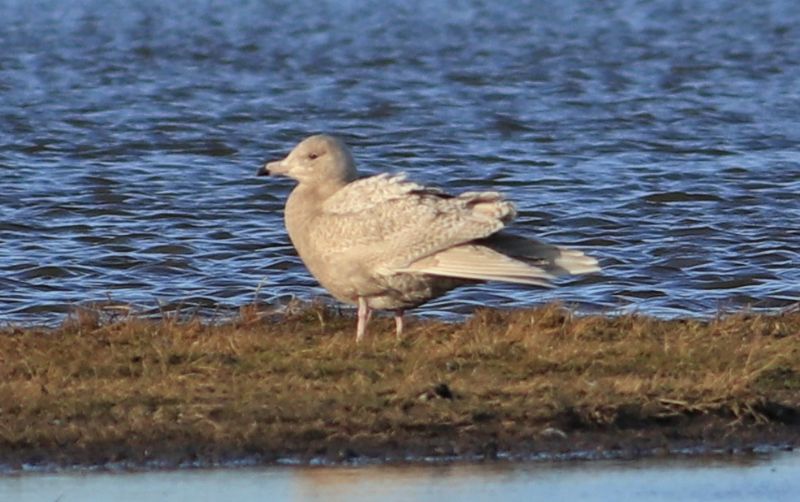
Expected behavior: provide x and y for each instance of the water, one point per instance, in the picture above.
(776, 479)
(660, 136)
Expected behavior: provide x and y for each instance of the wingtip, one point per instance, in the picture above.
(575, 262)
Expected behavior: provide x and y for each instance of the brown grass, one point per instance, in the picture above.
(101, 389)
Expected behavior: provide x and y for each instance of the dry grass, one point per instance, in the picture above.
(97, 390)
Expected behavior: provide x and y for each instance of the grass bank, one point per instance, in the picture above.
(543, 380)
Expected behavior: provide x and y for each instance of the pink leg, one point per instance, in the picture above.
(364, 313)
(398, 322)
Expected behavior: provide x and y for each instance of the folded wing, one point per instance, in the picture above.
(396, 226)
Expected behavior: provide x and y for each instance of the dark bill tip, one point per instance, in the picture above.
(262, 171)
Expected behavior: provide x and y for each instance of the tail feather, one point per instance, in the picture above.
(556, 260)
(505, 258)
(480, 263)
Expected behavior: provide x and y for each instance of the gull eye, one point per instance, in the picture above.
(313, 156)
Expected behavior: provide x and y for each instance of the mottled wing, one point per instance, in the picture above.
(390, 222)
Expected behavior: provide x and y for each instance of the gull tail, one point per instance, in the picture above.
(479, 263)
(505, 258)
(555, 260)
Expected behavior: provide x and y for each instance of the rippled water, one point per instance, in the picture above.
(660, 136)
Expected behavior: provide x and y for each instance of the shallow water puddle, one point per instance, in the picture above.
(774, 478)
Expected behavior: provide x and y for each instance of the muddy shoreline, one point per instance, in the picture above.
(712, 438)
(505, 385)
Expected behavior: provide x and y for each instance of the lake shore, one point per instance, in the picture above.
(102, 390)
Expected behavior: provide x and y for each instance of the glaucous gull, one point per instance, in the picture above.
(385, 243)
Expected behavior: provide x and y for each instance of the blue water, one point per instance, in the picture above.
(775, 479)
(660, 136)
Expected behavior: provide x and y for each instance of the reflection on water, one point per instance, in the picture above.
(775, 479)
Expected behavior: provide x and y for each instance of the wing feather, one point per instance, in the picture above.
(390, 222)
(480, 263)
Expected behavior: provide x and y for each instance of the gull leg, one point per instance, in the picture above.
(398, 322)
(364, 313)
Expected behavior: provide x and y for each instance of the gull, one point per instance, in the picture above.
(387, 243)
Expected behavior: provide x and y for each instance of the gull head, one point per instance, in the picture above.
(318, 159)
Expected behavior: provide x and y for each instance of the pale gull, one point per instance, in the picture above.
(385, 243)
